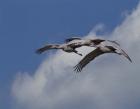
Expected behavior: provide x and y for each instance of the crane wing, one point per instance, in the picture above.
(126, 55)
(89, 57)
(115, 42)
(46, 47)
(72, 38)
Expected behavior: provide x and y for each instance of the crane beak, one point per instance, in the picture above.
(126, 55)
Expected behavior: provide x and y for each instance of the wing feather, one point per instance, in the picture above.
(115, 42)
(72, 38)
(89, 57)
(45, 48)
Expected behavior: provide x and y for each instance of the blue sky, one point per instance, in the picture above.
(26, 25)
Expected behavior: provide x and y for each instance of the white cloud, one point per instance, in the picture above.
(109, 82)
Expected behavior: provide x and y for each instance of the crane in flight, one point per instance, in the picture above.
(103, 47)
(70, 45)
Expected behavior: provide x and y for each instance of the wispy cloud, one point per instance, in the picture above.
(109, 82)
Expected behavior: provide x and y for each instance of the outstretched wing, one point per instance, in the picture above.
(89, 57)
(46, 47)
(126, 55)
(115, 42)
(72, 38)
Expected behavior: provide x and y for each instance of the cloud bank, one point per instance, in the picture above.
(108, 82)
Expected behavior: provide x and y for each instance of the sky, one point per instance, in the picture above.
(30, 81)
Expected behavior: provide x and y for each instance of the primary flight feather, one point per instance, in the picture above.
(104, 47)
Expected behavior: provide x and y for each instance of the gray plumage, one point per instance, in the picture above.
(104, 47)
(65, 47)
(71, 45)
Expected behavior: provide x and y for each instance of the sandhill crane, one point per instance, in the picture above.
(70, 45)
(65, 47)
(104, 47)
